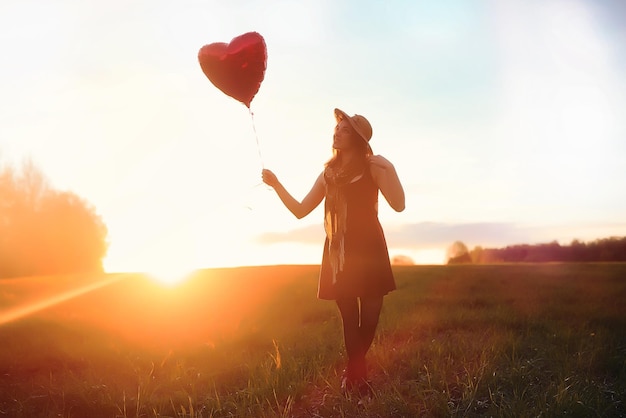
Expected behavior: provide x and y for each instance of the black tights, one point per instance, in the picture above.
(360, 319)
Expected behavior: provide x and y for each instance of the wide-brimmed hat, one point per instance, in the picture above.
(360, 125)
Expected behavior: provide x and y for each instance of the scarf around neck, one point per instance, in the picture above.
(336, 211)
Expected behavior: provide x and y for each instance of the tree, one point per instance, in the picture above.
(457, 253)
(402, 260)
(45, 231)
(477, 254)
(611, 249)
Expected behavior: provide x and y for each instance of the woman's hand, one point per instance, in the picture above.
(269, 178)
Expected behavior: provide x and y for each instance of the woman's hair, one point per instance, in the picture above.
(362, 151)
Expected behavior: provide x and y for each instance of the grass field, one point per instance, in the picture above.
(538, 340)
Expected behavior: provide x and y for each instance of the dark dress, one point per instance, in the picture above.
(367, 270)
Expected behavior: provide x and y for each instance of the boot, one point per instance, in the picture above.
(354, 376)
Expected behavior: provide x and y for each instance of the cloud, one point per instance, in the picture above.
(422, 235)
(437, 234)
(497, 234)
(428, 235)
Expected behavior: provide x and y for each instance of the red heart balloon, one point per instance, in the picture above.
(236, 68)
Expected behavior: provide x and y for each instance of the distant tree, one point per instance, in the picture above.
(402, 260)
(577, 251)
(44, 231)
(477, 254)
(461, 259)
(611, 249)
(458, 253)
(544, 253)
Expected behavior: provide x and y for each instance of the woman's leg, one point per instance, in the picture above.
(370, 313)
(360, 320)
(349, 309)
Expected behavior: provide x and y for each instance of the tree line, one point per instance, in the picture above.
(611, 249)
(46, 231)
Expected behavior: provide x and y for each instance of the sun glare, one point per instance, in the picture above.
(170, 276)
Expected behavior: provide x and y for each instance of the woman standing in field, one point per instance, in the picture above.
(355, 270)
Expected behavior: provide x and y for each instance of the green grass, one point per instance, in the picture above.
(454, 341)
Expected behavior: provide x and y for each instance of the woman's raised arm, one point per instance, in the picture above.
(385, 175)
(299, 209)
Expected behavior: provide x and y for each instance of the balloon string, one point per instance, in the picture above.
(256, 136)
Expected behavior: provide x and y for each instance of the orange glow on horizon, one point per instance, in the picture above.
(170, 276)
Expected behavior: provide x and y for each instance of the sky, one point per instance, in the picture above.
(504, 120)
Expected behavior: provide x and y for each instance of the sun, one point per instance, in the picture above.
(171, 275)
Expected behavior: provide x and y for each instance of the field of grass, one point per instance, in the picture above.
(538, 340)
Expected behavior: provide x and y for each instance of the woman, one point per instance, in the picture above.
(355, 271)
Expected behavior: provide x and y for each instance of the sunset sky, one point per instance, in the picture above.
(504, 119)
